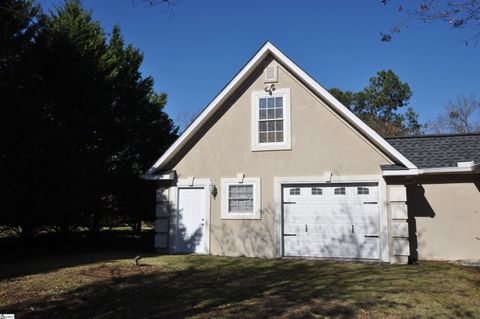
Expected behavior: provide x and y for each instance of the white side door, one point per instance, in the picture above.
(190, 224)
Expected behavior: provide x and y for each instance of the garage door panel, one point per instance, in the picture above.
(318, 228)
(313, 219)
(334, 223)
(367, 229)
(332, 247)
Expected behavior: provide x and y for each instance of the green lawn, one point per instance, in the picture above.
(111, 286)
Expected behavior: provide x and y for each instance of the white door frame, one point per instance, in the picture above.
(278, 183)
(185, 184)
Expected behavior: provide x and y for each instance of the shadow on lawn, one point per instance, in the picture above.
(229, 288)
(50, 252)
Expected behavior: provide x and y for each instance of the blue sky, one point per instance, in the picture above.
(193, 51)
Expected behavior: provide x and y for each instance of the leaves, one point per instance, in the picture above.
(379, 102)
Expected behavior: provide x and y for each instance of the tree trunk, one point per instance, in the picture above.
(95, 228)
(137, 227)
(27, 231)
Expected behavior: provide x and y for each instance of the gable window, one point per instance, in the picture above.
(339, 191)
(317, 191)
(363, 191)
(271, 120)
(240, 200)
(295, 191)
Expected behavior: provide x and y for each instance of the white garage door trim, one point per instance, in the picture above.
(279, 183)
(202, 183)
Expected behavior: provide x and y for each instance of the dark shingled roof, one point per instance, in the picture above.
(437, 150)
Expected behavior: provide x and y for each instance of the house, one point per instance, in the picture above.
(275, 166)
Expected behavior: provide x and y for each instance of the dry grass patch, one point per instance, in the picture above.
(87, 286)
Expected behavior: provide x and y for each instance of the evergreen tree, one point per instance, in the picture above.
(379, 105)
(97, 123)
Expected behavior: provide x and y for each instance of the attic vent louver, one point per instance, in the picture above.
(271, 73)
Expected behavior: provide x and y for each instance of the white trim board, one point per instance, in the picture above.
(269, 48)
(434, 170)
(278, 183)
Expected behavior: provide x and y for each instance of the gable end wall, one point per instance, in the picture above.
(321, 142)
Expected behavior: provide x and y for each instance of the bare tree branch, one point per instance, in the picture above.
(461, 116)
(168, 5)
(460, 14)
(184, 119)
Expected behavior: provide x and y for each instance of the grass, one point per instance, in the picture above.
(101, 285)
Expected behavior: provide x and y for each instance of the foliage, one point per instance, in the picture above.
(83, 132)
(379, 103)
(459, 14)
(460, 116)
(17, 23)
(18, 120)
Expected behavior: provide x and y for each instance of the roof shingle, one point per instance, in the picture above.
(429, 151)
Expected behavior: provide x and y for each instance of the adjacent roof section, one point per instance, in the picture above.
(432, 151)
(255, 61)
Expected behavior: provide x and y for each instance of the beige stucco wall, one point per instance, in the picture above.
(321, 141)
(446, 220)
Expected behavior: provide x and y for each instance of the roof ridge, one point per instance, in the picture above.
(431, 135)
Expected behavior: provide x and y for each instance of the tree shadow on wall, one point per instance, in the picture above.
(350, 239)
(418, 207)
(254, 238)
(186, 241)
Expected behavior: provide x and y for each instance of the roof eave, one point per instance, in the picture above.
(433, 171)
(165, 176)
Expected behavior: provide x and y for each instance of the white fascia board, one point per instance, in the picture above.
(247, 69)
(167, 176)
(451, 170)
(403, 172)
(434, 170)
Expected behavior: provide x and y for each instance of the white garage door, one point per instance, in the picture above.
(331, 220)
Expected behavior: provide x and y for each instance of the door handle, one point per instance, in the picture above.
(306, 228)
(353, 229)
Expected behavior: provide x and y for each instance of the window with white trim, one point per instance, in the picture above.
(240, 199)
(271, 120)
(363, 191)
(317, 191)
(339, 191)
